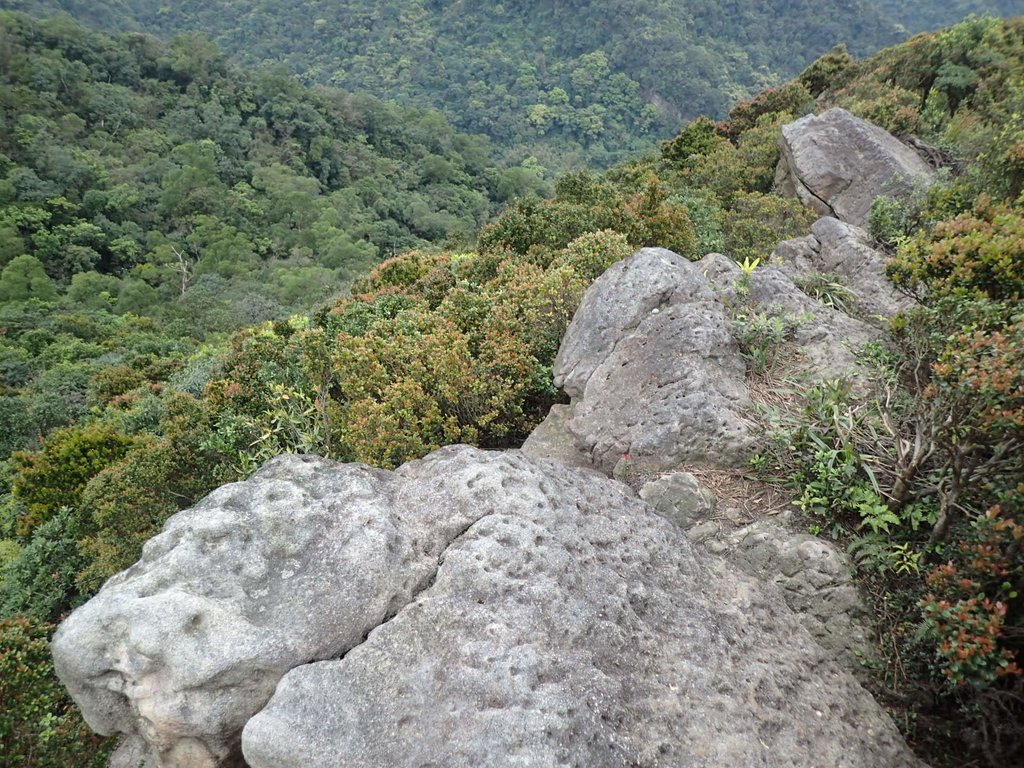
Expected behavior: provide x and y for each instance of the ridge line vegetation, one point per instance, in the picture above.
(162, 216)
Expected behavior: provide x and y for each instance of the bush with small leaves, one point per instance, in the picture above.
(827, 72)
(755, 223)
(966, 612)
(590, 255)
(56, 475)
(978, 254)
(40, 727)
(697, 139)
(791, 99)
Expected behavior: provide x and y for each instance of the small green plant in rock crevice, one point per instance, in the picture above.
(828, 288)
(764, 335)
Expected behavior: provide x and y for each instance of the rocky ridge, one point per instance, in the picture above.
(474, 608)
(470, 608)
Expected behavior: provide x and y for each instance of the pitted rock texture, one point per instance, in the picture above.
(837, 164)
(680, 498)
(844, 250)
(296, 564)
(479, 609)
(571, 626)
(652, 368)
(655, 376)
(815, 577)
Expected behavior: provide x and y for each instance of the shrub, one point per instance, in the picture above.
(40, 727)
(748, 166)
(697, 139)
(965, 613)
(763, 336)
(791, 99)
(826, 72)
(56, 475)
(978, 254)
(641, 211)
(755, 223)
(39, 581)
(591, 254)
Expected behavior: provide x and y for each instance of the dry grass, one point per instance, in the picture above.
(737, 489)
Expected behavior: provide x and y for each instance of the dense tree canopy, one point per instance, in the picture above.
(154, 171)
(566, 82)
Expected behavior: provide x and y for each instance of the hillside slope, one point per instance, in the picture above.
(564, 80)
(932, 14)
(159, 165)
(112, 417)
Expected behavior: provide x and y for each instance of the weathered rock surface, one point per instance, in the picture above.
(816, 580)
(551, 439)
(679, 498)
(825, 342)
(296, 564)
(844, 250)
(479, 608)
(815, 577)
(648, 359)
(654, 372)
(837, 164)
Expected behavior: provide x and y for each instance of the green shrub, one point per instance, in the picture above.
(39, 580)
(755, 223)
(55, 476)
(763, 337)
(697, 139)
(591, 254)
(978, 254)
(827, 72)
(791, 99)
(40, 726)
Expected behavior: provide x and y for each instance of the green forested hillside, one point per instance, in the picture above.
(562, 80)
(925, 15)
(157, 172)
(152, 197)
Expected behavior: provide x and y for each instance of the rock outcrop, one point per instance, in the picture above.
(649, 358)
(844, 250)
(815, 578)
(654, 372)
(837, 164)
(472, 608)
(824, 342)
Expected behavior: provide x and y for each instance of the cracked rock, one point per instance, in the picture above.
(837, 164)
(295, 564)
(471, 609)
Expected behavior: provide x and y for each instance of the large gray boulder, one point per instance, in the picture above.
(296, 564)
(825, 341)
(837, 164)
(472, 609)
(652, 369)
